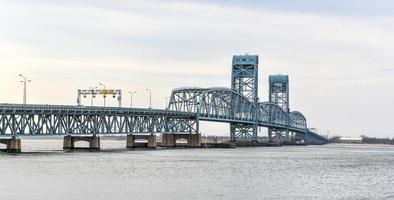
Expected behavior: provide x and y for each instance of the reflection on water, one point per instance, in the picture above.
(311, 172)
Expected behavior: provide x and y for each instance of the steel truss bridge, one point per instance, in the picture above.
(186, 108)
(226, 105)
(17, 119)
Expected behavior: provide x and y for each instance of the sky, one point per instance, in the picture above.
(339, 54)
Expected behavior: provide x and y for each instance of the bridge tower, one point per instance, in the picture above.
(279, 94)
(244, 80)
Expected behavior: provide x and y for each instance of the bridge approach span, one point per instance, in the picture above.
(17, 119)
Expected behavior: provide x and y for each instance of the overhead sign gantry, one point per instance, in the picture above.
(115, 93)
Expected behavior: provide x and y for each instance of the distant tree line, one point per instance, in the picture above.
(366, 140)
(334, 139)
(374, 140)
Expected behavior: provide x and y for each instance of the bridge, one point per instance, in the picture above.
(239, 106)
(225, 105)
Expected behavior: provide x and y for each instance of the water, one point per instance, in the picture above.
(297, 172)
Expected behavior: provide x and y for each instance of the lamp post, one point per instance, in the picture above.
(165, 107)
(104, 92)
(131, 97)
(150, 98)
(24, 81)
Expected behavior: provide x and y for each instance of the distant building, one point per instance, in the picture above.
(353, 140)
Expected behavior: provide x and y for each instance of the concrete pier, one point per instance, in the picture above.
(13, 144)
(131, 141)
(69, 142)
(194, 140)
(169, 139)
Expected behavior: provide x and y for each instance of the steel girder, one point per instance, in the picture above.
(279, 91)
(273, 114)
(213, 104)
(63, 120)
(298, 120)
(314, 138)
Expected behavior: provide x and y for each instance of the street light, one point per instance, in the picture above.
(165, 107)
(104, 92)
(25, 80)
(131, 98)
(150, 98)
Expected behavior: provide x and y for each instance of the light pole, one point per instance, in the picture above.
(25, 81)
(131, 98)
(150, 98)
(165, 107)
(104, 92)
(93, 95)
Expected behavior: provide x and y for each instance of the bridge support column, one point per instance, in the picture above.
(168, 140)
(152, 141)
(130, 141)
(69, 142)
(13, 144)
(194, 140)
(94, 143)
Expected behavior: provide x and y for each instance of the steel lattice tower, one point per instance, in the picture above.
(244, 80)
(279, 94)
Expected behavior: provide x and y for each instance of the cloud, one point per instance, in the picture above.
(387, 69)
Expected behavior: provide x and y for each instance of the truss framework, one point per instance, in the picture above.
(64, 120)
(244, 80)
(225, 105)
(279, 95)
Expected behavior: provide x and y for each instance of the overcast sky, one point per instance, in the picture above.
(339, 54)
